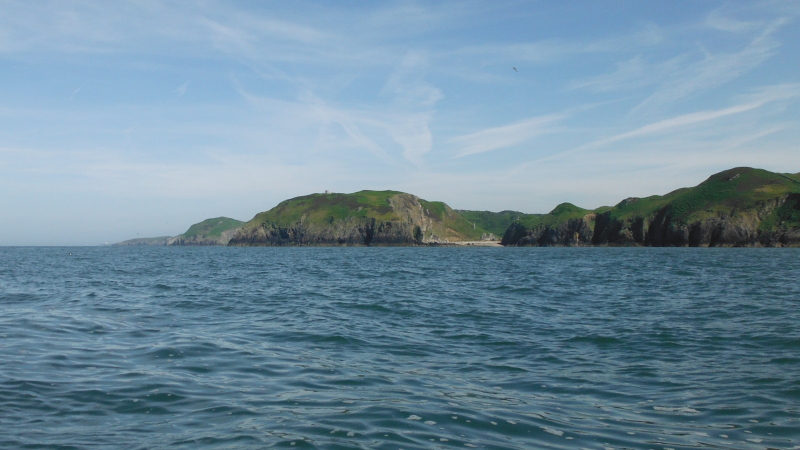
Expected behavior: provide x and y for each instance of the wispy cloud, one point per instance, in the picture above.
(413, 100)
(344, 133)
(162, 27)
(181, 89)
(703, 67)
(549, 51)
(413, 135)
(717, 20)
(713, 70)
(630, 75)
(675, 128)
(78, 89)
(408, 84)
(504, 136)
(677, 122)
(777, 92)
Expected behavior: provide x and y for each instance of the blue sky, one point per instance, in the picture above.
(138, 118)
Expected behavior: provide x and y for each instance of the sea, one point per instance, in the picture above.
(399, 348)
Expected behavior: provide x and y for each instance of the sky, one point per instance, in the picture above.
(138, 118)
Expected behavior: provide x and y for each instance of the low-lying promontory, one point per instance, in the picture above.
(216, 231)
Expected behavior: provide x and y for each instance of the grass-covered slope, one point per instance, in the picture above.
(494, 222)
(213, 228)
(360, 218)
(450, 224)
(733, 189)
(328, 208)
(737, 207)
(216, 231)
(561, 213)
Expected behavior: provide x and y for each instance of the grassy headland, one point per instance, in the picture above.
(360, 218)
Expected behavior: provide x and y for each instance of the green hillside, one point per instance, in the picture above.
(737, 188)
(561, 213)
(451, 220)
(328, 208)
(493, 222)
(385, 217)
(213, 228)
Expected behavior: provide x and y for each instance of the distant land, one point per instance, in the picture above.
(740, 207)
(161, 240)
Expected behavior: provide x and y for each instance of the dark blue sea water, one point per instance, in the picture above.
(399, 348)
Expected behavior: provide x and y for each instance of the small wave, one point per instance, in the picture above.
(18, 298)
(785, 360)
(333, 339)
(512, 289)
(552, 431)
(680, 410)
(596, 339)
(369, 307)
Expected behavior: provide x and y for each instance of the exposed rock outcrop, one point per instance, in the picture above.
(351, 231)
(569, 233)
(202, 239)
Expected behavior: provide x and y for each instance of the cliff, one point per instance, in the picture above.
(735, 208)
(362, 219)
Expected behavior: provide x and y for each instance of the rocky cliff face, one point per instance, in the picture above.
(202, 240)
(619, 233)
(569, 233)
(354, 231)
(770, 223)
(739, 207)
(735, 228)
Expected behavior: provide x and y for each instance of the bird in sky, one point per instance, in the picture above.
(515, 69)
